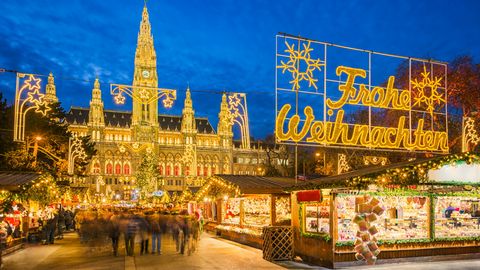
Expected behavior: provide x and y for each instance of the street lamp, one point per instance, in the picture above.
(35, 150)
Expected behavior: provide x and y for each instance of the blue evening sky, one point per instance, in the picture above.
(215, 45)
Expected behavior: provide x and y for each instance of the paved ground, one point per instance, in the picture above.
(212, 253)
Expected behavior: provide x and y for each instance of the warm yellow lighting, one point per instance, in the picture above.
(297, 58)
(428, 91)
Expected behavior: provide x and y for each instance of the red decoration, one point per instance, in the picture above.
(309, 196)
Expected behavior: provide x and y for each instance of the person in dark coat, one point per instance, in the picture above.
(68, 220)
(155, 231)
(52, 228)
(114, 232)
(60, 222)
(131, 231)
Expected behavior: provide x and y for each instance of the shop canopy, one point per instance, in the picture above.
(243, 184)
(454, 169)
(13, 180)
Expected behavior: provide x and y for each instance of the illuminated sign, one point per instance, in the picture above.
(352, 99)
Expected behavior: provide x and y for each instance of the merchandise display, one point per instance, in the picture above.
(317, 217)
(283, 211)
(405, 217)
(231, 210)
(457, 217)
(257, 210)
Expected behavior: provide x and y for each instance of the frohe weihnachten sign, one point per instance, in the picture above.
(333, 95)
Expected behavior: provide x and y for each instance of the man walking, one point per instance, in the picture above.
(155, 230)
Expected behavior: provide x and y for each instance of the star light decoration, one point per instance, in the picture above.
(428, 99)
(301, 65)
(237, 107)
(34, 96)
(470, 135)
(31, 87)
(145, 95)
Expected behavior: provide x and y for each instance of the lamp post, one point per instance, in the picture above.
(35, 150)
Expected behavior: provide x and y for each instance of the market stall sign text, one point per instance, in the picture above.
(337, 132)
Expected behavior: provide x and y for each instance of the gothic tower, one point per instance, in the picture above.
(224, 127)
(96, 119)
(189, 131)
(51, 91)
(145, 114)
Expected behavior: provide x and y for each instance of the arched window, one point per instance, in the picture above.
(198, 171)
(214, 169)
(177, 170)
(187, 170)
(126, 169)
(109, 168)
(160, 169)
(205, 171)
(96, 168)
(118, 169)
(168, 170)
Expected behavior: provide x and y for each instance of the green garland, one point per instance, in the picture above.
(412, 241)
(415, 174)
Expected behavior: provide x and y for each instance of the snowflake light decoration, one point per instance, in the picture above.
(119, 99)
(424, 97)
(301, 65)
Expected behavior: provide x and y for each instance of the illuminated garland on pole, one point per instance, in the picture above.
(237, 106)
(75, 151)
(30, 86)
(144, 95)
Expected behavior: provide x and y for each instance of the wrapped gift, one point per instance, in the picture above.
(373, 202)
(363, 226)
(373, 230)
(378, 210)
(371, 217)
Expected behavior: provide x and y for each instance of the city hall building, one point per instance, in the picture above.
(188, 148)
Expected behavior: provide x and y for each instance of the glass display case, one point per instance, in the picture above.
(457, 217)
(405, 217)
(231, 211)
(317, 217)
(257, 210)
(283, 213)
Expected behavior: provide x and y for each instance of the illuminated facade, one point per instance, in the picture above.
(188, 147)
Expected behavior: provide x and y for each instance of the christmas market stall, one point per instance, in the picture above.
(16, 216)
(420, 208)
(238, 207)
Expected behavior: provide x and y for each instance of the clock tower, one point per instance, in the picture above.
(145, 115)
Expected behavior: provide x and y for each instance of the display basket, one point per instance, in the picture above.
(278, 243)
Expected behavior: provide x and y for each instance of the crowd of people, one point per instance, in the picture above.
(142, 228)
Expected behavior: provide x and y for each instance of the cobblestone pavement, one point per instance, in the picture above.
(211, 253)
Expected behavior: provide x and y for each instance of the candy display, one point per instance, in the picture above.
(257, 210)
(457, 217)
(399, 217)
(283, 211)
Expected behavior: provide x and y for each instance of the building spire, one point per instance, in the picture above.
(145, 74)
(51, 90)
(95, 115)
(224, 128)
(188, 114)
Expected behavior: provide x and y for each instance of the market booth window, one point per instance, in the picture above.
(457, 217)
(231, 209)
(317, 217)
(405, 217)
(257, 210)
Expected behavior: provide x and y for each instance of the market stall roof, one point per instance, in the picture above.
(416, 172)
(13, 180)
(340, 180)
(249, 184)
